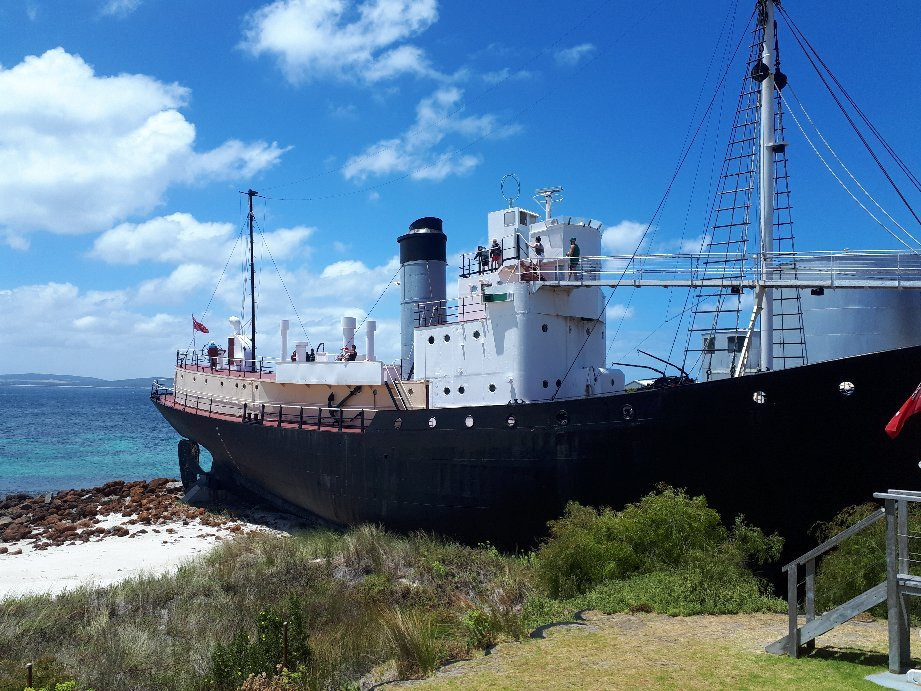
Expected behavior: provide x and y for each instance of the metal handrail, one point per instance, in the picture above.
(317, 417)
(194, 359)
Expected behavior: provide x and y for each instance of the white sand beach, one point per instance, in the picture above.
(138, 528)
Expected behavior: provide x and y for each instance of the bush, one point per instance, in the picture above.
(233, 663)
(667, 541)
(858, 563)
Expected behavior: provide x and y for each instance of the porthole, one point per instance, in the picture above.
(193, 378)
(447, 391)
(432, 422)
(447, 337)
(410, 391)
(588, 332)
(243, 387)
(476, 334)
(431, 339)
(257, 386)
(759, 397)
(510, 421)
(222, 383)
(846, 388)
(627, 412)
(398, 423)
(206, 381)
(544, 327)
(460, 389)
(236, 385)
(562, 417)
(469, 421)
(558, 383)
(545, 383)
(612, 383)
(492, 388)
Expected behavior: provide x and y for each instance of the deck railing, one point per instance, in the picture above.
(193, 359)
(274, 414)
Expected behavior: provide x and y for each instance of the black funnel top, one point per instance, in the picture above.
(425, 241)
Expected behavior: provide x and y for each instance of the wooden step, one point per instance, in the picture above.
(833, 618)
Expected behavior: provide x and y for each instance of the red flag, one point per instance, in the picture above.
(909, 408)
(198, 326)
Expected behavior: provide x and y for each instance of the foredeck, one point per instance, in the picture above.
(330, 419)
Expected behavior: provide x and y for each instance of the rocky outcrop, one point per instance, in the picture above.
(75, 516)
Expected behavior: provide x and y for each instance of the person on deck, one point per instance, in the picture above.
(495, 255)
(481, 257)
(352, 353)
(573, 255)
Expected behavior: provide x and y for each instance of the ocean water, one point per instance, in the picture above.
(61, 437)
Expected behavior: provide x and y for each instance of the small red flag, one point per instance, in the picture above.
(198, 326)
(909, 408)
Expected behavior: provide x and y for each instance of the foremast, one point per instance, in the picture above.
(764, 296)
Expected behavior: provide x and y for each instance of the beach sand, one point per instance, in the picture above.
(102, 535)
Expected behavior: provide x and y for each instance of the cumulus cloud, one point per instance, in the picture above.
(569, 57)
(176, 237)
(312, 39)
(619, 311)
(418, 151)
(79, 151)
(623, 237)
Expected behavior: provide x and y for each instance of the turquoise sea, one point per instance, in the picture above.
(60, 437)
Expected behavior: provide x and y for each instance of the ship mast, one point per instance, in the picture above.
(252, 279)
(766, 194)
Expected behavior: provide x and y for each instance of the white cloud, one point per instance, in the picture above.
(570, 57)
(170, 238)
(623, 237)
(415, 151)
(119, 8)
(313, 39)
(79, 151)
(505, 74)
(619, 311)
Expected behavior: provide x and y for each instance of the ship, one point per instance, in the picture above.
(502, 408)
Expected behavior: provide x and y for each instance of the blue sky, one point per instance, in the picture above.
(128, 127)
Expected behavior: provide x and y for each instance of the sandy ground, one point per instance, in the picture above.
(139, 540)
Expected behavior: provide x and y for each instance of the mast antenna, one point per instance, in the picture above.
(547, 196)
(252, 278)
(505, 187)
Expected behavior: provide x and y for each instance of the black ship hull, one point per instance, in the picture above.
(808, 449)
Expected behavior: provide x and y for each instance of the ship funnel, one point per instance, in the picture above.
(422, 282)
(348, 332)
(285, 324)
(370, 328)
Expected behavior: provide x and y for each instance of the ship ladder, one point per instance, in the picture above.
(899, 585)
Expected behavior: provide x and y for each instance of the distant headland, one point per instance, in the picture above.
(33, 379)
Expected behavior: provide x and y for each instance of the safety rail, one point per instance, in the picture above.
(864, 269)
(202, 362)
(436, 312)
(269, 414)
(511, 248)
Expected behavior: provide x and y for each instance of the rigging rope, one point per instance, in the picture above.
(800, 39)
(217, 285)
(285, 286)
(841, 163)
(845, 187)
(668, 189)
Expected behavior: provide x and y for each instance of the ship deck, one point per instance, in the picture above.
(346, 420)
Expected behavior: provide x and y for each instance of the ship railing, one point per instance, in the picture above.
(202, 362)
(514, 247)
(277, 414)
(436, 312)
(864, 269)
(158, 390)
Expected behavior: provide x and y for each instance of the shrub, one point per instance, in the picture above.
(233, 663)
(665, 530)
(415, 639)
(858, 563)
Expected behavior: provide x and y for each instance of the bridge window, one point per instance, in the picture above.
(509, 218)
(735, 344)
